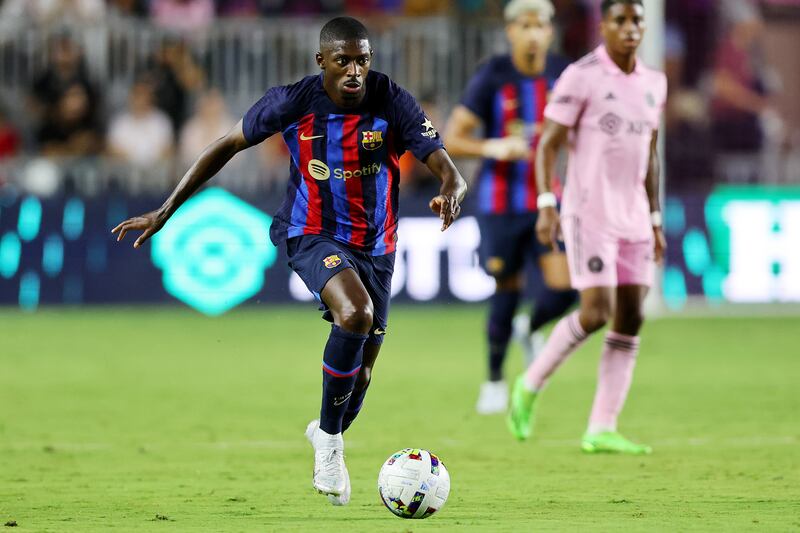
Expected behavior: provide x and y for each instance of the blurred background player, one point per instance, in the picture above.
(345, 129)
(610, 216)
(505, 100)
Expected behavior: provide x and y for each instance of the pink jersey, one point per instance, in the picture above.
(613, 116)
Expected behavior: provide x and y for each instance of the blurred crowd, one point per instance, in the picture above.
(724, 121)
(731, 115)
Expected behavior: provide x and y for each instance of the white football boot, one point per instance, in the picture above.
(330, 473)
(531, 343)
(493, 398)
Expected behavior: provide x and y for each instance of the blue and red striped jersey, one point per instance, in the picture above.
(509, 103)
(344, 170)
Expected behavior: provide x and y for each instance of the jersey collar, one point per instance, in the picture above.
(610, 66)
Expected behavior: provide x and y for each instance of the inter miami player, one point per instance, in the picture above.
(345, 129)
(606, 107)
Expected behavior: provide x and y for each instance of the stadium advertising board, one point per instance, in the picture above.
(734, 245)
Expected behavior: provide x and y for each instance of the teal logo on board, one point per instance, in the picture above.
(213, 251)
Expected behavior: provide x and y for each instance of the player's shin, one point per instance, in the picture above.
(566, 337)
(502, 306)
(340, 366)
(613, 381)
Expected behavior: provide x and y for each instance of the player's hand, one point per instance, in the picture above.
(660, 248)
(148, 223)
(447, 205)
(548, 227)
(511, 148)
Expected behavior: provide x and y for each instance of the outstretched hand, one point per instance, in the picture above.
(448, 208)
(148, 224)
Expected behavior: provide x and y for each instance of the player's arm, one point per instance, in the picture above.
(210, 161)
(461, 141)
(652, 185)
(554, 136)
(448, 203)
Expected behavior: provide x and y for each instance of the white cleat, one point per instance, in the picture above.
(531, 343)
(330, 473)
(493, 398)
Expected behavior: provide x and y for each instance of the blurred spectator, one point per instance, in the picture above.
(9, 137)
(66, 70)
(54, 11)
(182, 15)
(142, 135)
(417, 8)
(70, 128)
(236, 8)
(210, 122)
(739, 95)
(129, 8)
(176, 76)
(574, 21)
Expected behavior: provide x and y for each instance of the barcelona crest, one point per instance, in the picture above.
(332, 261)
(372, 140)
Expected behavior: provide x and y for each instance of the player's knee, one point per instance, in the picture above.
(357, 317)
(594, 317)
(631, 323)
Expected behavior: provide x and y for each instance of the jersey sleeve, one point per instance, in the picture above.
(477, 96)
(264, 118)
(413, 127)
(569, 98)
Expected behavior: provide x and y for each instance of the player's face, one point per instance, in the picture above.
(346, 64)
(623, 28)
(529, 34)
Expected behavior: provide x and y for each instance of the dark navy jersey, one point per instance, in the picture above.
(509, 103)
(344, 170)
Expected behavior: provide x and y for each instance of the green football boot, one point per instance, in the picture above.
(521, 410)
(612, 442)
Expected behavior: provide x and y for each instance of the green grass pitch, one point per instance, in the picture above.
(164, 420)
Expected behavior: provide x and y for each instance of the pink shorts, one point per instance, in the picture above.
(599, 260)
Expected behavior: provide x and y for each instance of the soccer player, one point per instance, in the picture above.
(345, 129)
(505, 100)
(607, 106)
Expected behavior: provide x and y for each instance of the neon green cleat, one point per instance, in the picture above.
(612, 442)
(521, 410)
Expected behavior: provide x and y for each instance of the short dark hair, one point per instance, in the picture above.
(606, 5)
(342, 29)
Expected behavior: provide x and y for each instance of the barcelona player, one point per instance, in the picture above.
(608, 105)
(345, 129)
(506, 100)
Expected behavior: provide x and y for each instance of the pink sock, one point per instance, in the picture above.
(565, 339)
(613, 380)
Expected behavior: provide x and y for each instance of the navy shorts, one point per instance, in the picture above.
(506, 241)
(316, 259)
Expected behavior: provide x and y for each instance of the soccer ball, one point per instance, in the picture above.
(413, 483)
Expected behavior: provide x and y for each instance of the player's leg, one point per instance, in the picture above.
(502, 256)
(363, 381)
(635, 271)
(548, 305)
(589, 273)
(328, 270)
(567, 336)
(352, 310)
(377, 277)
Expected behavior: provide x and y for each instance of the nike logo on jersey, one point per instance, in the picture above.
(304, 138)
(340, 400)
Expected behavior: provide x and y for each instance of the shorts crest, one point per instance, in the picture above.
(332, 261)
